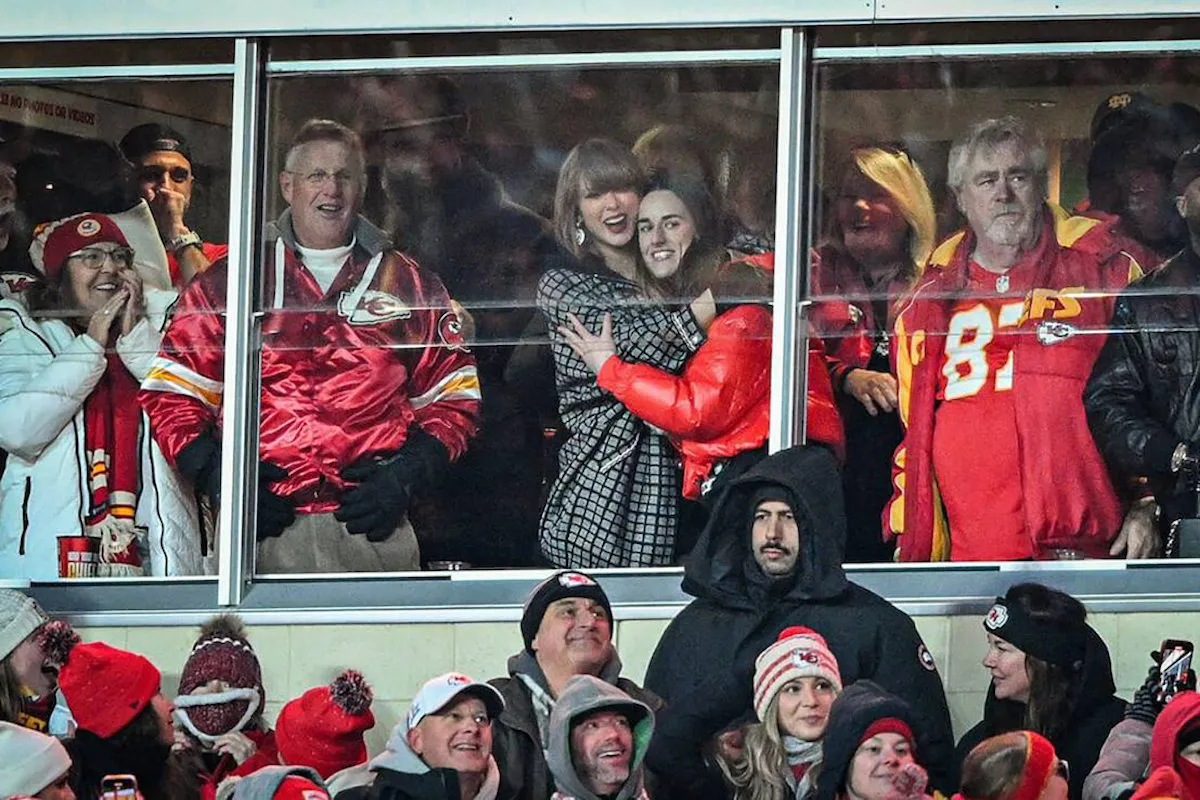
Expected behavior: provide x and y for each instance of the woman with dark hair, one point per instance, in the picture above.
(1051, 674)
(614, 502)
(80, 462)
(717, 409)
(882, 232)
(123, 724)
(1014, 766)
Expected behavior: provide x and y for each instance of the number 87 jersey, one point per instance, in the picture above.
(997, 462)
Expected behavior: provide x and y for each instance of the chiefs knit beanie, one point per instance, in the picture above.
(106, 688)
(799, 652)
(55, 241)
(19, 617)
(222, 652)
(29, 761)
(558, 586)
(324, 727)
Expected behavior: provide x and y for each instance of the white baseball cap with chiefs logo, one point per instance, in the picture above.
(439, 692)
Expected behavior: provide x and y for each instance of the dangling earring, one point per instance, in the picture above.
(580, 233)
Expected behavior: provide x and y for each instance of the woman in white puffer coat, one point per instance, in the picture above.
(81, 461)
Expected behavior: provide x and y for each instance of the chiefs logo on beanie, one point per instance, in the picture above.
(55, 241)
(324, 727)
(798, 652)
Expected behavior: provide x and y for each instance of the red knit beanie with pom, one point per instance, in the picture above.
(323, 728)
(105, 687)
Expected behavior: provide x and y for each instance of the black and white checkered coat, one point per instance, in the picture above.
(615, 501)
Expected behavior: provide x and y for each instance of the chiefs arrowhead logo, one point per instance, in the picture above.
(450, 332)
(571, 579)
(373, 308)
(457, 679)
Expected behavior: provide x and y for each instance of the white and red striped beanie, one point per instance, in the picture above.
(799, 652)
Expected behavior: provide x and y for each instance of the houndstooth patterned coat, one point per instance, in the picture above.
(616, 498)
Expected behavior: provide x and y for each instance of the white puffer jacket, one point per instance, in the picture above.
(47, 372)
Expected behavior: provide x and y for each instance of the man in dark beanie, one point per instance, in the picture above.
(770, 558)
(165, 176)
(1143, 404)
(567, 630)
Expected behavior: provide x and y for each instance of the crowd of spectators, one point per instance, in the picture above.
(782, 679)
(437, 360)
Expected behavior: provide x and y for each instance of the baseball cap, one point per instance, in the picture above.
(439, 692)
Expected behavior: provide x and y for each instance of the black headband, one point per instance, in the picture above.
(1050, 643)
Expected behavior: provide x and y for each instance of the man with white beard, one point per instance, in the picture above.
(1016, 304)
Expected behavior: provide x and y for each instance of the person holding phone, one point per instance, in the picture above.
(1050, 673)
(1125, 757)
(1175, 752)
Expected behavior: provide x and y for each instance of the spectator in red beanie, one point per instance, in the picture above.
(324, 727)
(1175, 752)
(123, 723)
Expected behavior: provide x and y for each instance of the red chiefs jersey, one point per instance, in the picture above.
(953, 370)
(344, 372)
(213, 252)
(978, 465)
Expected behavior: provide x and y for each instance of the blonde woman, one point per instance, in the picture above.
(883, 229)
(776, 757)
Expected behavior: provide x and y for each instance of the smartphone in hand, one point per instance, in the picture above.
(1175, 668)
(118, 787)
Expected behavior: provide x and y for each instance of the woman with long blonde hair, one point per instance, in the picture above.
(882, 231)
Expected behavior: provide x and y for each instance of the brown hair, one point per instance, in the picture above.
(594, 165)
(11, 700)
(1053, 688)
(994, 767)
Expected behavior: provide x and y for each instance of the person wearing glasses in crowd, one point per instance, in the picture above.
(165, 178)
(442, 748)
(80, 462)
(368, 389)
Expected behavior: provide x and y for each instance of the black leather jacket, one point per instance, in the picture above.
(1143, 397)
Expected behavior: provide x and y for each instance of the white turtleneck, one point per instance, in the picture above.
(324, 265)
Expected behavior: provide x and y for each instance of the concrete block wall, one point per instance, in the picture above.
(397, 659)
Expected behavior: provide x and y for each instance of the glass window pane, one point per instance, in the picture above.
(110, 193)
(972, 289)
(373, 374)
(119, 53)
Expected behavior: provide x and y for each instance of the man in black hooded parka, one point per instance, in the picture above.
(740, 608)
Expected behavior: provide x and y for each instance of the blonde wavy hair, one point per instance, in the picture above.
(903, 180)
(759, 773)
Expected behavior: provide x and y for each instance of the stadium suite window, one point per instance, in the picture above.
(145, 162)
(459, 171)
(972, 349)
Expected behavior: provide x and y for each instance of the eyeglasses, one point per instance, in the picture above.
(94, 257)
(154, 174)
(1063, 770)
(320, 177)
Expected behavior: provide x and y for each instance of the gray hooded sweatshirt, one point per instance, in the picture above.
(582, 695)
(262, 784)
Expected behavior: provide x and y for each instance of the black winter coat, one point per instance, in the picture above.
(852, 713)
(1142, 399)
(738, 611)
(437, 784)
(1097, 710)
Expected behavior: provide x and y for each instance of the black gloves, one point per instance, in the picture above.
(200, 463)
(275, 513)
(1146, 704)
(379, 501)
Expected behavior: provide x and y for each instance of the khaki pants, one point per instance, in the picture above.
(319, 543)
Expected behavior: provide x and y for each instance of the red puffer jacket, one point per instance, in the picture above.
(720, 405)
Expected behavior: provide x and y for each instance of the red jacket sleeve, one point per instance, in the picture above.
(183, 392)
(443, 383)
(728, 375)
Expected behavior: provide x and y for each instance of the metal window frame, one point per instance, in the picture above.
(482, 596)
